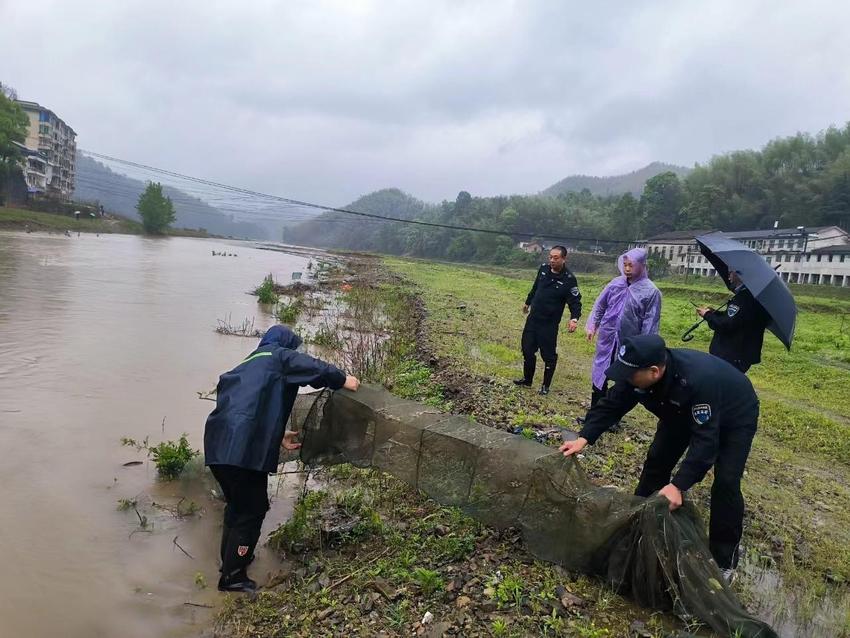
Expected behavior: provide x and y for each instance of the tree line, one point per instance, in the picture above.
(798, 180)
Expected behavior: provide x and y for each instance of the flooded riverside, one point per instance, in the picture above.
(103, 338)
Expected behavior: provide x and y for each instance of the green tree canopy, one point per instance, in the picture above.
(13, 128)
(155, 209)
(661, 203)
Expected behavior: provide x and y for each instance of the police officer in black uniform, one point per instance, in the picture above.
(554, 287)
(739, 330)
(704, 405)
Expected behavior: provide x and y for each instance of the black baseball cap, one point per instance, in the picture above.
(642, 351)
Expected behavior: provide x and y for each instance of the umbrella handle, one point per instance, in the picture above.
(688, 335)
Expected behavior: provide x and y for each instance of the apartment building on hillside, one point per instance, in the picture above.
(50, 168)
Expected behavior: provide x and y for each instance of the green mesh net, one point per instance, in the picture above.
(658, 558)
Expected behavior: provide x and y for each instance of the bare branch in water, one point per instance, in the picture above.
(245, 329)
(180, 548)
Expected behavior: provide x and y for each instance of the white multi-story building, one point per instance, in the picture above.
(819, 255)
(56, 144)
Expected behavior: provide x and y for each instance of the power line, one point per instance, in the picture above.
(295, 202)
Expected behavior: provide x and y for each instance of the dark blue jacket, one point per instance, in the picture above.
(255, 398)
(699, 392)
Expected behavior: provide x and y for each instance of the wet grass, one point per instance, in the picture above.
(415, 558)
(412, 556)
(798, 481)
(19, 219)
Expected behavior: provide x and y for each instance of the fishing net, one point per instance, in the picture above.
(658, 558)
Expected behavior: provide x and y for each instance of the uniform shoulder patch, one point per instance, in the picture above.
(701, 413)
(732, 309)
(574, 290)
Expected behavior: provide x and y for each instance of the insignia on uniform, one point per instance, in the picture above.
(732, 310)
(242, 550)
(701, 413)
(574, 291)
(622, 350)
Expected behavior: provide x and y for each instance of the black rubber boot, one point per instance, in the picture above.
(548, 373)
(544, 390)
(237, 581)
(527, 373)
(238, 553)
(225, 533)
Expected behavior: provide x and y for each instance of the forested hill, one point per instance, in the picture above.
(120, 194)
(616, 184)
(339, 230)
(799, 180)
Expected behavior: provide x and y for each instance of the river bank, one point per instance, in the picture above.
(452, 346)
(408, 566)
(34, 221)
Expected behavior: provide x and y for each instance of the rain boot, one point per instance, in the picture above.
(225, 533)
(527, 373)
(238, 554)
(548, 373)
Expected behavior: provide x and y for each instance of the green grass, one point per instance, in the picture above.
(798, 480)
(422, 556)
(20, 219)
(16, 218)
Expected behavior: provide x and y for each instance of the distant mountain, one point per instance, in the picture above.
(615, 184)
(340, 230)
(120, 194)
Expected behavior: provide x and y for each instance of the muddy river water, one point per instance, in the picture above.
(103, 338)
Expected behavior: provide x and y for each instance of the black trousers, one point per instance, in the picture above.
(597, 393)
(542, 336)
(726, 524)
(741, 365)
(246, 493)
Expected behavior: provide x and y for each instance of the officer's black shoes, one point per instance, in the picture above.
(544, 390)
(525, 383)
(237, 582)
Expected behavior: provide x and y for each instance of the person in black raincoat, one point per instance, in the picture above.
(243, 436)
(739, 330)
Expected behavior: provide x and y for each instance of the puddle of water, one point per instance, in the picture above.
(793, 613)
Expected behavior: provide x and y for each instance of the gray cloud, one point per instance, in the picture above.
(328, 100)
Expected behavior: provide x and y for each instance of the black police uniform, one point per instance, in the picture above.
(549, 294)
(706, 406)
(739, 330)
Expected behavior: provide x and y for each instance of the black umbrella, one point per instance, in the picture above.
(761, 280)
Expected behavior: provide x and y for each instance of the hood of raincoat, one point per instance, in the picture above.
(281, 337)
(638, 257)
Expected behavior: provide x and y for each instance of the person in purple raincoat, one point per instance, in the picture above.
(629, 305)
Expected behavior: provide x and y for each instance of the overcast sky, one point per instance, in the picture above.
(328, 100)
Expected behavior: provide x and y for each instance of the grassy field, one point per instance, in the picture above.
(409, 556)
(797, 484)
